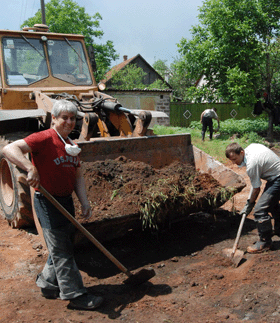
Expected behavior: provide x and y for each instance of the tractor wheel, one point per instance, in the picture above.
(15, 195)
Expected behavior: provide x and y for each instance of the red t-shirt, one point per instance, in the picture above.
(56, 168)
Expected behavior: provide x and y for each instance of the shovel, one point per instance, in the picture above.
(133, 279)
(234, 254)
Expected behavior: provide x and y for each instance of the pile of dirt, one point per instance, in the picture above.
(121, 187)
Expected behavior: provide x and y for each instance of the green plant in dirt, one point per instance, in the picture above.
(147, 216)
(224, 194)
(154, 205)
(189, 195)
(151, 209)
(114, 194)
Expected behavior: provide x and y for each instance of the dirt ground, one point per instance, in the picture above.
(193, 282)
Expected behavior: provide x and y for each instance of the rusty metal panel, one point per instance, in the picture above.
(157, 151)
(224, 175)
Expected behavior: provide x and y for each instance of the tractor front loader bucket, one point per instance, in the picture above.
(158, 152)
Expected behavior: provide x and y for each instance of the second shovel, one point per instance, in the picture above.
(235, 254)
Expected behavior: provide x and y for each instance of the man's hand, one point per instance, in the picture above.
(247, 208)
(86, 211)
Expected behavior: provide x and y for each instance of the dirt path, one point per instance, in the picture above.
(193, 282)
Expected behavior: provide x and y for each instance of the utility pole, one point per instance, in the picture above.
(43, 12)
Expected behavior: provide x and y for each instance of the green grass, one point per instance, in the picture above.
(243, 132)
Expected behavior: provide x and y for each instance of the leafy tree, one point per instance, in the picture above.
(236, 48)
(128, 78)
(161, 67)
(66, 16)
(180, 80)
(158, 85)
(132, 77)
(178, 77)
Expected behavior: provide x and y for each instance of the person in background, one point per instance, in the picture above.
(261, 164)
(206, 120)
(56, 166)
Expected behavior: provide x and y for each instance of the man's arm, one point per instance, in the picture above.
(15, 153)
(254, 194)
(80, 190)
(218, 122)
(201, 116)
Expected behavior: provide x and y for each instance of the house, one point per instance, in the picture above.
(153, 100)
(151, 74)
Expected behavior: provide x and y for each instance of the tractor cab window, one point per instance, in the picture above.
(22, 58)
(68, 61)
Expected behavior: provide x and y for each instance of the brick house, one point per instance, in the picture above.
(153, 100)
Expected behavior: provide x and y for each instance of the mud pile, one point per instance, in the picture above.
(121, 187)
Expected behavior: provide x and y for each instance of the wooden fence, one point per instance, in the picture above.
(181, 114)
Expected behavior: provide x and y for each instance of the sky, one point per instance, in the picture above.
(151, 28)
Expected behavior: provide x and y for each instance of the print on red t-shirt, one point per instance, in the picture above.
(56, 168)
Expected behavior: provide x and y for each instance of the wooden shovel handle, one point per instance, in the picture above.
(238, 233)
(84, 231)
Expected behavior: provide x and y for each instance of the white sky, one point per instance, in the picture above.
(151, 28)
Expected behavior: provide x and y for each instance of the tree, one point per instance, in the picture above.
(180, 80)
(235, 47)
(177, 77)
(161, 67)
(128, 78)
(132, 77)
(66, 16)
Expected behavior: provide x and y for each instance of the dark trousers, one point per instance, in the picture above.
(60, 272)
(207, 123)
(268, 203)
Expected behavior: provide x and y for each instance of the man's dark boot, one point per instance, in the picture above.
(265, 234)
(260, 246)
(276, 229)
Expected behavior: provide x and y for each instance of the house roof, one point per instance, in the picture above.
(126, 62)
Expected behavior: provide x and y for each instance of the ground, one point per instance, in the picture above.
(194, 282)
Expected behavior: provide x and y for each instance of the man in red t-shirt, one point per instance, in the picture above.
(55, 165)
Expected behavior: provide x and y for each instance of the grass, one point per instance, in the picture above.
(215, 148)
(245, 133)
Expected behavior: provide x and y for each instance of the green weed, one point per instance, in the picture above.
(114, 194)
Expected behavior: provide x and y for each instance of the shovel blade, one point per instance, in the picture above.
(141, 277)
(235, 257)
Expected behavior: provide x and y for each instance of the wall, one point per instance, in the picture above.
(145, 100)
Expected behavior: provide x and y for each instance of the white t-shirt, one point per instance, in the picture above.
(261, 163)
(210, 113)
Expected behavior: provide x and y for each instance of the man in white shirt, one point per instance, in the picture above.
(206, 120)
(261, 164)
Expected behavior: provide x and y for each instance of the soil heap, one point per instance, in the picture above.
(121, 187)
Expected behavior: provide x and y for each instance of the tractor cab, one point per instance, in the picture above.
(30, 57)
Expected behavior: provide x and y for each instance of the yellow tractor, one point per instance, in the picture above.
(37, 68)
